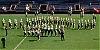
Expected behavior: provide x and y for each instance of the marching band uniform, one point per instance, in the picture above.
(21, 23)
(3, 23)
(85, 24)
(10, 23)
(79, 24)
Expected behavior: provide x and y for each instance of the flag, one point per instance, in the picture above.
(96, 10)
(53, 8)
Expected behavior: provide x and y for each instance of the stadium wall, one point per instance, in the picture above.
(45, 12)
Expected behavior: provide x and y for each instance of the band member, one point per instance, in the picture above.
(49, 30)
(44, 20)
(24, 32)
(66, 21)
(33, 21)
(29, 22)
(55, 30)
(10, 23)
(94, 16)
(42, 29)
(33, 27)
(33, 31)
(55, 20)
(94, 23)
(85, 24)
(73, 24)
(59, 30)
(63, 21)
(71, 21)
(70, 11)
(15, 23)
(88, 23)
(51, 19)
(45, 28)
(59, 21)
(24, 28)
(38, 34)
(82, 12)
(39, 21)
(62, 27)
(3, 23)
(21, 23)
(29, 30)
(91, 24)
(79, 24)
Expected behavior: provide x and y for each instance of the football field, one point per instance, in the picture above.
(74, 39)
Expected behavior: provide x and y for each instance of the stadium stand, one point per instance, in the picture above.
(60, 5)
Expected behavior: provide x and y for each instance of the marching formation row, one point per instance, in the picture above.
(54, 22)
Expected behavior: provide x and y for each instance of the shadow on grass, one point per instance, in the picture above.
(2, 35)
(96, 38)
(1, 48)
(20, 35)
(81, 29)
(32, 40)
(57, 40)
(44, 36)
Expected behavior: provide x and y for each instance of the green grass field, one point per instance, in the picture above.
(74, 39)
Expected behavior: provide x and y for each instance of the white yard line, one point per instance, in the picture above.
(19, 43)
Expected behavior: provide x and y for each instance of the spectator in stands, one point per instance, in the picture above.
(4, 8)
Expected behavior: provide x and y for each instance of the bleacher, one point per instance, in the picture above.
(59, 5)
